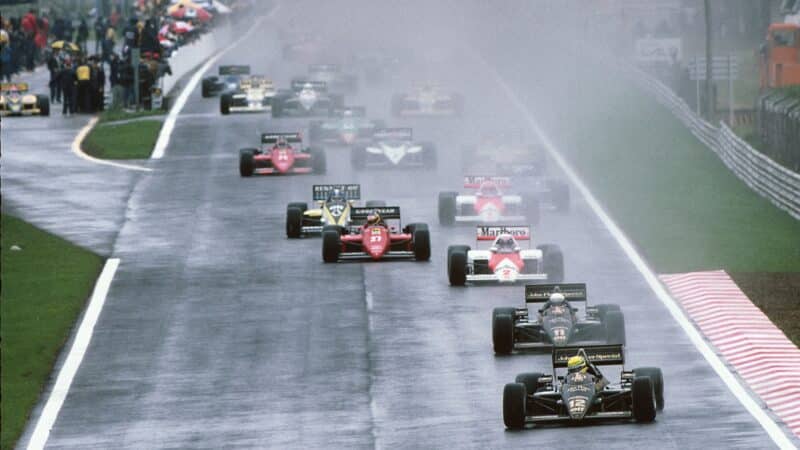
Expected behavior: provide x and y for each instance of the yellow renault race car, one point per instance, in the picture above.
(333, 202)
(16, 101)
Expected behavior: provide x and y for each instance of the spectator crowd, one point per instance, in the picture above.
(122, 48)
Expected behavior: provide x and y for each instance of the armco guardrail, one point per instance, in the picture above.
(769, 179)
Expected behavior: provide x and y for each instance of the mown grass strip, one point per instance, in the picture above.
(130, 140)
(46, 282)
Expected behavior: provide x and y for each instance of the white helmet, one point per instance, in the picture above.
(557, 298)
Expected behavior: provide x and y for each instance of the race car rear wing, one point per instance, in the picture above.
(540, 293)
(323, 68)
(272, 138)
(234, 70)
(300, 84)
(490, 232)
(359, 214)
(393, 134)
(351, 111)
(22, 87)
(601, 355)
(475, 181)
(351, 191)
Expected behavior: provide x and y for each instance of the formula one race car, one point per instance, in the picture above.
(427, 100)
(375, 239)
(333, 205)
(254, 94)
(584, 395)
(280, 153)
(16, 101)
(555, 322)
(489, 203)
(305, 99)
(393, 147)
(228, 80)
(348, 126)
(333, 76)
(505, 261)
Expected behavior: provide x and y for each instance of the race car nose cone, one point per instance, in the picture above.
(577, 407)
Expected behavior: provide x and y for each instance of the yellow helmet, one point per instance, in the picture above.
(576, 364)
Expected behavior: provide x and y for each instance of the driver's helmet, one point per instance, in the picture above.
(505, 243)
(577, 364)
(336, 195)
(282, 143)
(489, 188)
(374, 219)
(557, 299)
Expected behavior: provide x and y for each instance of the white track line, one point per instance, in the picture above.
(169, 124)
(769, 425)
(74, 358)
(76, 149)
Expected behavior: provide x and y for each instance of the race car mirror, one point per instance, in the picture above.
(475, 181)
(234, 70)
(351, 191)
(490, 232)
(540, 293)
(601, 355)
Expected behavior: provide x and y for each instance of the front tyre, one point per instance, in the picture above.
(657, 378)
(644, 399)
(503, 330)
(420, 241)
(247, 164)
(447, 208)
(294, 222)
(514, 399)
(331, 246)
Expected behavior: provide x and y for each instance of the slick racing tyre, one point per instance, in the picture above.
(331, 246)
(420, 241)
(447, 208)
(530, 380)
(205, 89)
(457, 265)
(514, 403)
(644, 399)
(614, 323)
(247, 165)
(294, 221)
(225, 104)
(43, 102)
(657, 378)
(552, 262)
(503, 330)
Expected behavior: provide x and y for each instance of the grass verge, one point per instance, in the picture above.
(45, 285)
(130, 140)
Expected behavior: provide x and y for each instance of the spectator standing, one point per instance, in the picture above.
(84, 75)
(131, 33)
(54, 68)
(58, 28)
(69, 29)
(126, 81)
(117, 91)
(68, 81)
(98, 85)
(99, 33)
(83, 35)
(149, 38)
(108, 43)
(6, 58)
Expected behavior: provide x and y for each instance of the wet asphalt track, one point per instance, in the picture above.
(219, 332)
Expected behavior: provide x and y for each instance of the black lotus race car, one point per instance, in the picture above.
(306, 99)
(583, 396)
(556, 323)
(394, 148)
(227, 80)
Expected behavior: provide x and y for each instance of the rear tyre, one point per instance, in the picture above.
(530, 380)
(615, 328)
(225, 104)
(457, 265)
(657, 378)
(420, 241)
(44, 105)
(447, 208)
(559, 195)
(331, 246)
(503, 330)
(375, 203)
(644, 401)
(294, 222)
(514, 399)
(318, 162)
(552, 262)
(247, 165)
(205, 90)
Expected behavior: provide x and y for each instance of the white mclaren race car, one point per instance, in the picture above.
(394, 148)
(427, 100)
(505, 261)
(488, 203)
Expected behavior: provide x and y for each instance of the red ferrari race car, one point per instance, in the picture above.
(280, 153)
(375, 239)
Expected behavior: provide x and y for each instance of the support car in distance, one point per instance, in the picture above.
(376, 240)
(550, 318)
(228, 79)
(584, 395)
(393, 148)
(488, 203)
(281, 153)
(505, 261)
